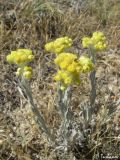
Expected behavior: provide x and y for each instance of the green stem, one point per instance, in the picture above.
(37, 116)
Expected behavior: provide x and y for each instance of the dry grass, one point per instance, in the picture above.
(30, 24)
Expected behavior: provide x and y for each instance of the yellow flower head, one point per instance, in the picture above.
(20, 56)
(97, 41)
(59, 45)
(71, 68)
(86, 64)
(26, 72)
(63, 60)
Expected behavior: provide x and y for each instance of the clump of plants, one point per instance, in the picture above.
(70, 67)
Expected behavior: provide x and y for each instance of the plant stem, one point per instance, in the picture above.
(37, 116)
(64, 107)
(92, 80)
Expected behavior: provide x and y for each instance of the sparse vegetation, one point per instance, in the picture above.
(30, 25)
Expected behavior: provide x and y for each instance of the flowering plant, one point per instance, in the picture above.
(21, 57)
(96, 43)
(70, 66)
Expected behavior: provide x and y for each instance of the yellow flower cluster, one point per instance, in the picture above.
(86, 64)
(71, 67)
(66, 60)
(59, 45)
(21, 57)
(97, 41)
(26, 72)
(66, 78)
